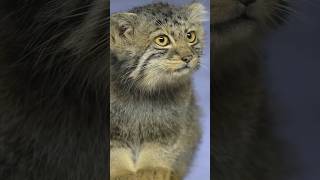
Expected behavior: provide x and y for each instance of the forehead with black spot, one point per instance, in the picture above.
(161, 13)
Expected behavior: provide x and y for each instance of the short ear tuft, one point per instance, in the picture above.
(122, 24)
(197, 12)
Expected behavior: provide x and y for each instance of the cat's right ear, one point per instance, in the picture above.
(122, 25)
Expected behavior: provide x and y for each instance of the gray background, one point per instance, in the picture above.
(293, 74)
(201, 166)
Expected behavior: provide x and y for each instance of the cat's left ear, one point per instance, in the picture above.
(197, 12)
(122, 24)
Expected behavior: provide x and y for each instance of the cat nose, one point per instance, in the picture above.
(247, 2)
(187, 58)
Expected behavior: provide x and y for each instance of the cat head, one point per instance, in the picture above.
(241, 22)
(156, 46)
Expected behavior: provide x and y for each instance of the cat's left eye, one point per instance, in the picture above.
(162, 40)
(191, 37)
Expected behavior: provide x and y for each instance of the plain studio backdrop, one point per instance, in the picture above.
(201, 165)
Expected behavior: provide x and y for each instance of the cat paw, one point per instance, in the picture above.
(156, 174)
(126, 177)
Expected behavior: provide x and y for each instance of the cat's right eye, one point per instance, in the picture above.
(191, 37)
(162, 40)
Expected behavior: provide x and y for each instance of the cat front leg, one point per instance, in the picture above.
(156, 163)
(169, 159)
(121, 164)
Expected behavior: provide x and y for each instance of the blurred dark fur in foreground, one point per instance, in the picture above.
(244, 146)
(53, 90)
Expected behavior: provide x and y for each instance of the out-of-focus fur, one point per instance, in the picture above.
(154, 117)
(54, 90)
(244, 147)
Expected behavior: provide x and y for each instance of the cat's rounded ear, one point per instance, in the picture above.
(196, 12)
(122, 24)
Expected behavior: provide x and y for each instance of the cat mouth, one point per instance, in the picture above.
(182, 68)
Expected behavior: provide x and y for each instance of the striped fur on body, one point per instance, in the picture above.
(154, 117)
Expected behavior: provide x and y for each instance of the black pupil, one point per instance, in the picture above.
(189, 35)
(161, 39)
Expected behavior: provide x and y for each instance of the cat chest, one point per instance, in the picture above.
(143, 123)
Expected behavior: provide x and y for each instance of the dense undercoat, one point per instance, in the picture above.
(154, 117)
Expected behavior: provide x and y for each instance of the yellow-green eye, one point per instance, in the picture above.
(162, 40)
(191, 37)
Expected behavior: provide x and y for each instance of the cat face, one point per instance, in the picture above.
(243, 21)
(158, 45)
